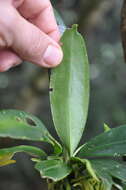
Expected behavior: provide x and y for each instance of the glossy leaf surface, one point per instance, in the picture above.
(108, 144)
(21, 125)
(53, 169)
(69, 94)
(6, 154)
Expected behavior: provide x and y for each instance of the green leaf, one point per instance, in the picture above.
(105, 177)
(6, 154)
(54, 1)
(124, 186)
(57, 147)
(108, 144)
(53, 169)
(20, 125)
(108, 169)
(70, 90)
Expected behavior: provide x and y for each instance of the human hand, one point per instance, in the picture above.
(28, 31)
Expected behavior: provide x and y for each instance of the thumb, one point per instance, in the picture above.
(29, 42)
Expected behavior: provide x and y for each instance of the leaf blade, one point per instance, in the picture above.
(110, 167)
(105, 177)
(53, 169)
(70, 90)
(108, 144)
(15, 124)
(21, 125)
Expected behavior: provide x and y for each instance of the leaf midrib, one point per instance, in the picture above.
(69, 89)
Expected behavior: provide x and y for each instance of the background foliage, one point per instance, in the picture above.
(26, 87)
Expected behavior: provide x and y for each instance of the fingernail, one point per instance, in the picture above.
(53, 55)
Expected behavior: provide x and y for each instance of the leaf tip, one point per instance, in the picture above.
(7, 162)
(106, 128)
(74, 27)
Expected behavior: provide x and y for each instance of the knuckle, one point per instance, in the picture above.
(6, 22)
(17, 3)
(2, 42)
(38, 43)
(5, 39)
(7, 15)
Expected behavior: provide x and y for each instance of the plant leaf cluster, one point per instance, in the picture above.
(96, 165)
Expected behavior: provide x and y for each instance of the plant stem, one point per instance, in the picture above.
(68, 187)
(59, 186)
(50, 185)
(66, 155)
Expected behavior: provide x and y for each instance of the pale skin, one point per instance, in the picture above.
(28, 31)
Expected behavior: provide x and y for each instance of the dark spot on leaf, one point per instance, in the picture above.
(51, 89)
(30, 121)
(49, 73)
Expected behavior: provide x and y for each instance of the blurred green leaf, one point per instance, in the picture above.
(108, 144)
(70, 90)
(53, 169)
(124, 186)
(53, 1)
(6, 154)
(59, 18)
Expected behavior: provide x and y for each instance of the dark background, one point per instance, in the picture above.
(26, 87)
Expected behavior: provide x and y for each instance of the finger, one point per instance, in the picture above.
(40, 13)
(16, 3)
(8, 59)
(28, 41)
